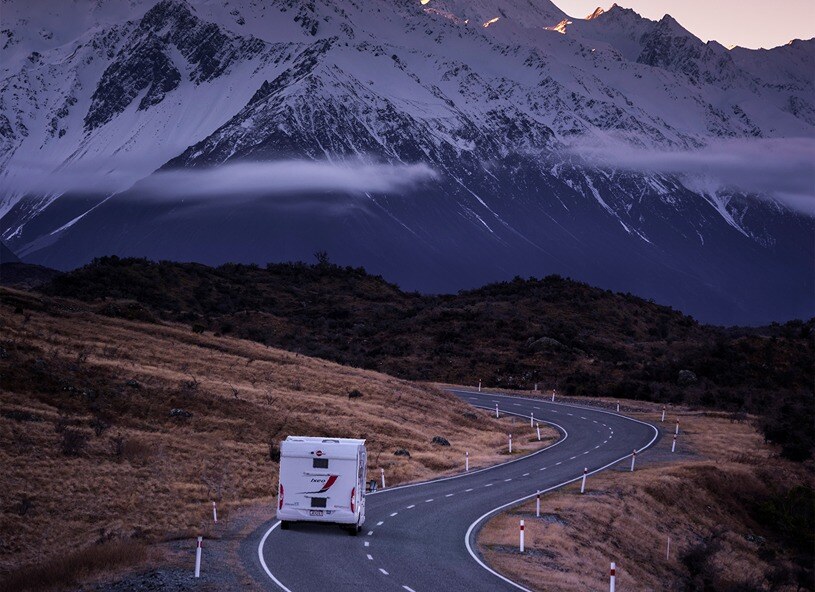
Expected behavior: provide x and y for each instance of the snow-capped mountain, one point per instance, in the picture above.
(598, 148)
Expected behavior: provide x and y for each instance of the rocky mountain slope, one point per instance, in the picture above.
(534, 127)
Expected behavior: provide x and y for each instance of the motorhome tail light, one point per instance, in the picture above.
(280, 497)
(353, 493)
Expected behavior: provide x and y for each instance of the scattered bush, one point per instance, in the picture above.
(68, 568)
(73, 442)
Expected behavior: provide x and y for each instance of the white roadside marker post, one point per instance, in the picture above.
(633, 460)
(663, 414)
(553, 396)
(214, 513)
(668, 551)
(677, 428)
(382, 471)
(583, 484)
(479, 385)
(538, 428)
(536, 387)
(673, 446)
(538, 505)
(496, 411)
(467, 461)
(618, 407)
(612, 582)
(532, 420)
(510, 443)
(198, 548)
(522, 536)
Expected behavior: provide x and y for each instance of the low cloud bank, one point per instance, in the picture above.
(783, 168)
(260, 179)
(284, 178)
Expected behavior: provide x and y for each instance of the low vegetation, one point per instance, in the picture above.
(581, 340)
(739, 518)
(119, 430)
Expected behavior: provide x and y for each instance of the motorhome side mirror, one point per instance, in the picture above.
(371, 486)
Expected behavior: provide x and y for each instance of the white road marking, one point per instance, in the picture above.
(488, 485)
(507, 480)
(587, 451)
(581, 417)
(428, 501)
(367, 543)
(572, 457)
(525, 475)
(569, 414)
(380, 523)
(370, 532)
(517, 404)
(559, 462)
(468, 490)
(450, 495)
(394, 514)
(537, 407)
(384, 572)
(411, 506)
(409, 589)
(369, 557)
(542, 469)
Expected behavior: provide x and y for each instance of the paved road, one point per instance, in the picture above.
(421, 538)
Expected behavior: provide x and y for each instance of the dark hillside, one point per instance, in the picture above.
(552, 331)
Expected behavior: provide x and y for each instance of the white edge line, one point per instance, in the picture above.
(263, 561)
(473, 526)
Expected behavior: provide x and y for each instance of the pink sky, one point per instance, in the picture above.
(749, 23)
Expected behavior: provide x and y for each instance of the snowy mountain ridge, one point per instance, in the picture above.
(501, 98)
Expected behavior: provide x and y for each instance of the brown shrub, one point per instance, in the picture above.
(68, 569)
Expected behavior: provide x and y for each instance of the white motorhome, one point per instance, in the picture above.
(322, 480)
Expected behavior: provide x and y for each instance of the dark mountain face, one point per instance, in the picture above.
(6, 255)
(504, 115)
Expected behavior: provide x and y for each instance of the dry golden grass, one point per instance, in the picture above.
(698, 494)
(145, 475)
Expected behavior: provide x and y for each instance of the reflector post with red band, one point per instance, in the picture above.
(522, 537)
(613, 577)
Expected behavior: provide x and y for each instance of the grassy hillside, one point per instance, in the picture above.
(117, 430)
(553, 331)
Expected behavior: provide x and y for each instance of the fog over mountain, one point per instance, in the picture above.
(441, 143)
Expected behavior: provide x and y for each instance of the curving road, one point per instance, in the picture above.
(421, 538)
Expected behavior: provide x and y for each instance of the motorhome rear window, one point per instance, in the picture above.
(318, 502)
(319, 463)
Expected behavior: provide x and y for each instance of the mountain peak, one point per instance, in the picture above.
(597, 12)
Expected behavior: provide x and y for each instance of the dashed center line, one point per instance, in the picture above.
(507, 480)
(380, 523)
(369, 557)
(450, 495)
(542, 469)
(488, 485)
(384, 572)
(409, 589)
(559, 462)
(370, 532)
(525, 475)
(367, 544)
(468, 490)
(428, 500)
(411, 506)
(394, 514)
